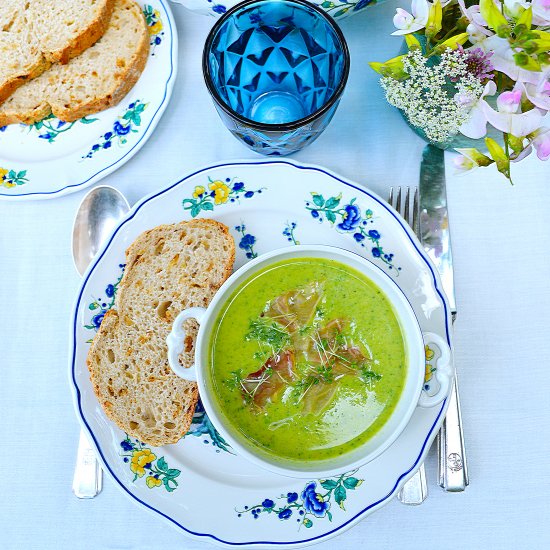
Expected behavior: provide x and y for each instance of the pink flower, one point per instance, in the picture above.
(542, 143)
(508, 119)
(509, 102)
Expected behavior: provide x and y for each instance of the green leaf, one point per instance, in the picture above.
(331, 216)
(337, 14)
(392, 68)
(351, 482)
(328, 484)
(525, 19)
(412, 42)
(307, 523)
(318, 200)
(493, 15)
(38, 124)
(173, 472)
(452, 43)
(21, 174)
(195, 210)
(137, 120)
(140, 108)
(329, 516)
(93, 306)
(88, 120)
(128, 115)
(206, 205)
(340, 496)
(435, 15)
(161, 464)
(12, 175)
(333, 202)
(188, 203)
(527, 62)
(499, 156)
(167, 482)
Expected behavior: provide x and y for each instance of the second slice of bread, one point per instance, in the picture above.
(95, 80)
(35, 33)
(168, 269)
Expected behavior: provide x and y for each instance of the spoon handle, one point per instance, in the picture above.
(87, 480)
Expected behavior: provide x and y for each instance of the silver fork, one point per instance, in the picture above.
(415, 490)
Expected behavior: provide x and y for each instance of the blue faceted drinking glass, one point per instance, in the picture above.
(276, 70)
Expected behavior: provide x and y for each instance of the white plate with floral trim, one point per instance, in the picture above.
(266, 205)
(51, 158)
(337, 8)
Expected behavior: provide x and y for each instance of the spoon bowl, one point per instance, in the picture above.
(98, 214)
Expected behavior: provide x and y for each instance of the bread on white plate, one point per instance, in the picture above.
(95, 80)
(36, 33)
(168, 269)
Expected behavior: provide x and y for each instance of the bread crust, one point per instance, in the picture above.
(86, 38)
(180, 411)
(125, 80)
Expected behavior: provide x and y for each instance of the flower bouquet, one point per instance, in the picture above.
(478, 70)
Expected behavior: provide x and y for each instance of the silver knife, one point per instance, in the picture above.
(436, 240)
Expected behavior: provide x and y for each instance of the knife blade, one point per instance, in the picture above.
(435, 237)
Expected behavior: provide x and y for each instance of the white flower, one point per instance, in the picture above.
(503, 59)
(425, 98)
(477, 26)
(407, 23)
(514, 8)
(539, 94)
(475, 126)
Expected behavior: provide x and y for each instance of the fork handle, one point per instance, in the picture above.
(415, 490)
(453, 470)
(87, 480)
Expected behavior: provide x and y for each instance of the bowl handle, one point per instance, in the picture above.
(443, 374)
(176, 339)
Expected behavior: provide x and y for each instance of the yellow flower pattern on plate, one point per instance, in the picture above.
(143, 462)
(221, 191)
(10, 178)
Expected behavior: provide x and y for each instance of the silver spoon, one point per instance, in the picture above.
(97, 216)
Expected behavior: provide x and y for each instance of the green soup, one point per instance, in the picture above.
(307, 359)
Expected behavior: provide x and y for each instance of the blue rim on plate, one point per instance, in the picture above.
(145, 133)
(77, 394)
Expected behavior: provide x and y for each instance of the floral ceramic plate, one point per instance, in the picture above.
(52, 158)
(267, 205)
(337, 8)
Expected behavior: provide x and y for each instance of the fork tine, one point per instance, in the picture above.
(407, 207)
(398, 202)
(391, 197)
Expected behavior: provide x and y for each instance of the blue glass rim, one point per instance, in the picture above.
(288, 125)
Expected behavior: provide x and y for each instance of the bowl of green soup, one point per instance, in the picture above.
(310, 360)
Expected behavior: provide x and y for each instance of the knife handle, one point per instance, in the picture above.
(453, 469)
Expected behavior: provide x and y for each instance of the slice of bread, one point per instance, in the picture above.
(95, 80)
(168, 269)
(35, 33)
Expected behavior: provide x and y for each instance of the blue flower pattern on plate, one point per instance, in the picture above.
(312, 502)
(349, 218)
(99, 307)
(127, 123)
(247, 242)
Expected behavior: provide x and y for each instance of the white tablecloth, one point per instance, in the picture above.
(501, 238)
